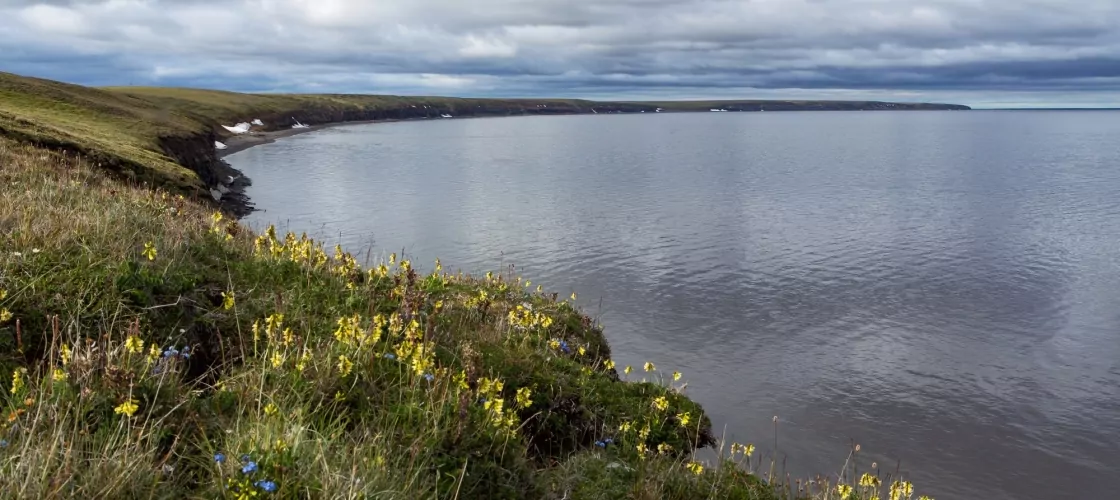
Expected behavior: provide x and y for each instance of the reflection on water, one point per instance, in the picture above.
(941, 287)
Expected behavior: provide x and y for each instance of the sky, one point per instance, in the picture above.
(984, 53)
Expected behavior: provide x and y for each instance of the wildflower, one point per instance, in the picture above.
(582, 351)
(748, 450)
(901, 489)
(649, 367)
(696, 468)
(573, 295)
(277, 360)
(439, 267)
(867, 480)
(171, 351)
(267, 486)
(608, 441)
(642, 448)
(134, 344)
(564, 347)
(245, 458)
(540, 288)
(923, 497)
(523, 397)
(628, 369)
(271, 409)
(186, 354)
(390, 355)
(624, 427)
(149, 251)
(392, 258)
(608, 364)
(65, 354)
(600, 444)
(17, 380)
(429, 377)
(554, 344)
(676, 376)
(153, 354)
(219, 458)
(3, 294)
(127, 408)
(249, 467)
(58, 375)
(5, 315)
(3, 443)
(345, 365)
(844, 490)
(661, 403)
(684, 418)
(228, 300)
(664, 448)
(289, 336)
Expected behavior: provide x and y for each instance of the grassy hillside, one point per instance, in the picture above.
(153, 348)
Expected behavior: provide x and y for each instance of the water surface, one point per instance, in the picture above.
(941, 287)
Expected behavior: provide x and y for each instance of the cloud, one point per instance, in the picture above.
(955, 50)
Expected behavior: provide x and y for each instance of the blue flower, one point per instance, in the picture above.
(220, 458)
(608, 441)
(3, 443)
(171, 351)
(249, 468)
(429, 377)
(268, 486)
(186, 352)
(600, 444)
(390, 355)
(564, 346)
(245, 458)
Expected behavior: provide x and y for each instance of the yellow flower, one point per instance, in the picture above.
(664, 448)
(582, 351)
(65, 354)
(439, 267)
(867, 480)
(608, 364)
(277, 360)
(303, 359)
(288, 336)
(134, 345)
(684, 418)
(642, 448)
(748, 450)
(554, 344)
(127, 408)
(3, 294)
(628, 369)
(392, 258)
(844, 490)
(649, 367)
(523, 397)
(5, 315)
(661, 403)
(540, 288)
(345, 365)
(573, 295)
(149, 251)
(625, 427)
(923, 497)
(271, 409)
(58, 375)
(901, 489)
(676, 376)
(153, 353)
(17, 380)
(696, 468)
(227, 300)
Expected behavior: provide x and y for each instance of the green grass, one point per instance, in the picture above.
(142, 335)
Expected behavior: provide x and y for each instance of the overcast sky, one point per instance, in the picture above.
(986, 53)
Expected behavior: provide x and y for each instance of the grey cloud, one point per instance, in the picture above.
(913, 50)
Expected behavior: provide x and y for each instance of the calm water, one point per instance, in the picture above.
(941, 287)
